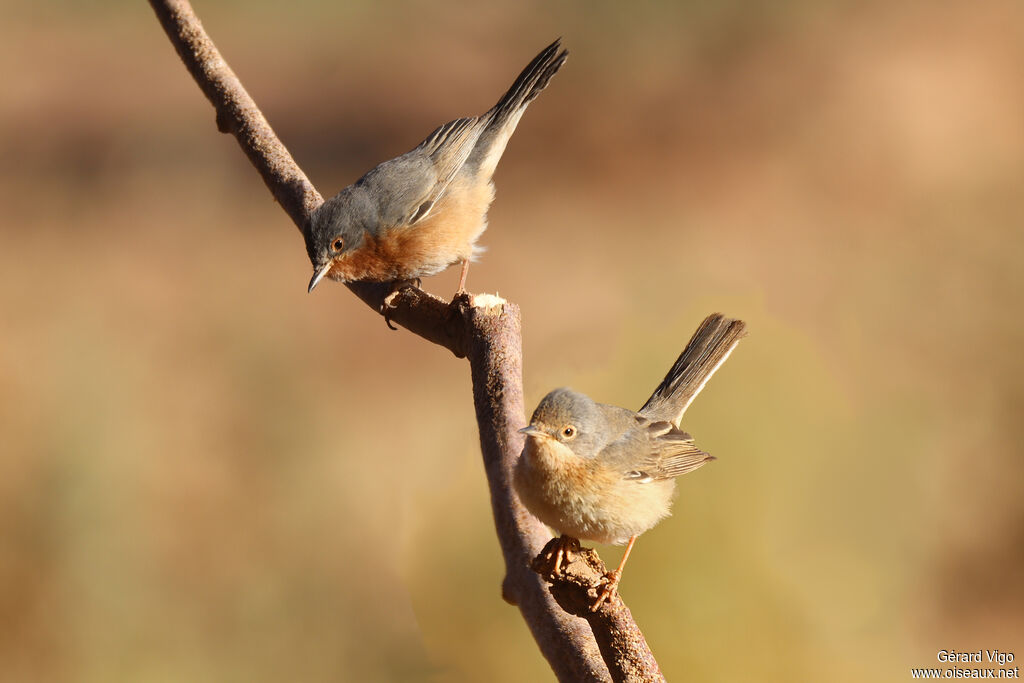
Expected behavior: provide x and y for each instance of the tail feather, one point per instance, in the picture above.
(533, 79)
(710, 345)
(500, 122)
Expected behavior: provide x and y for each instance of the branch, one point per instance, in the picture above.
(482, 327)
(495, 359)
(575, 588)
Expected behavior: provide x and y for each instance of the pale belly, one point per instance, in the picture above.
(572, 497)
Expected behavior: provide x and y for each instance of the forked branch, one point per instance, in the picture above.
(483, 328)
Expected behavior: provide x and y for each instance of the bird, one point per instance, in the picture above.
(607, 474)
(419, 213)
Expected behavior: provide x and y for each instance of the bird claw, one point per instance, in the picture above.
(389, 305)
(458, 299)
(609, 590)
(560, 555)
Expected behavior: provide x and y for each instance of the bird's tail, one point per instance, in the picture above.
(530, 83)
(710, 345)
(500, 122)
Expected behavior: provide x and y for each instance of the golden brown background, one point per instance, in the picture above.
(208, 475)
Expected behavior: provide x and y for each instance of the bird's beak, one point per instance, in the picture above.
(319, 275)
(530, 430)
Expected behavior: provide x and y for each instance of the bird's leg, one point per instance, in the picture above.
(460, 294)
(462, 278)
(612, 578)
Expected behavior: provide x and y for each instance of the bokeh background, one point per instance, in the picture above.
(209, 475)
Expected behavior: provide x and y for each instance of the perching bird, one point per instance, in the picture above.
(606, 474)
(419, 213)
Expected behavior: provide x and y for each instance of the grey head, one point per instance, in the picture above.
(398, 192)
(573, 419)
(339, 226)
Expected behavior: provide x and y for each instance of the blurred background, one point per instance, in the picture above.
(209, 475)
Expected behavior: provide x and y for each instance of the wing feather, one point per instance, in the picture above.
(447, 148)
(666, 451)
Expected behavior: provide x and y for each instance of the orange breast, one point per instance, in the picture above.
(446, 236)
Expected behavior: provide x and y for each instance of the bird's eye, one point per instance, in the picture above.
(568, 431)
(338, 244)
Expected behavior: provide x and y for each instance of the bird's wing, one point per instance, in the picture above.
(653, 450)
(447, 148)
(405, 189)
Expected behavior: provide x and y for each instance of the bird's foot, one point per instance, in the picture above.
(389, 305)
(611, 585)
(459, 298)
(559, 554)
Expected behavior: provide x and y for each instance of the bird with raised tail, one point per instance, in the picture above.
(602, 473)
(421, 212)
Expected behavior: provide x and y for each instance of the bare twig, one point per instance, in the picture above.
(487, 330)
